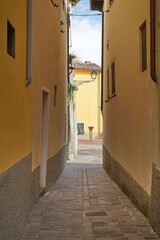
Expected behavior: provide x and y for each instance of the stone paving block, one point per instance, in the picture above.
(85, 204)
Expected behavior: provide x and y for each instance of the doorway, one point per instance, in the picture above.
(44, 138)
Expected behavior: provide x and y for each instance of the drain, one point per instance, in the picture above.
(95, 214)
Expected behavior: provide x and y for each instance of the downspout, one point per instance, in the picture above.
(29, 43)
(153, 40)
(68, 42)
(102, 67)
(68, 76)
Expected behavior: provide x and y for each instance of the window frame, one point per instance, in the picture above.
(143, 46)
(55, 96)
(11, 40)
(113, 78)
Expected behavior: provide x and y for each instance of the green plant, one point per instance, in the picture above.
(72, 56)
(71, 89)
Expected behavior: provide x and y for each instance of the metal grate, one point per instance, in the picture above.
(95, 214)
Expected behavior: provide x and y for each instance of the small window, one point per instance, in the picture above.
(63, 4)
(108, 44)
(80, 128)
(108, 83)
(143, 47)
(10, 40)
(113, 78)
(55, 96)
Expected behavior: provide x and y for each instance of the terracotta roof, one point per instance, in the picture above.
(96, 4)
(86, 66)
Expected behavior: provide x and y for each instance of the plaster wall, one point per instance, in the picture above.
(14, 95)
(88, 101)
(49, 71)
(130, 118)
(158, 73)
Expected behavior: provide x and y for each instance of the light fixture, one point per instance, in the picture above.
(93, 75)
(80, 82)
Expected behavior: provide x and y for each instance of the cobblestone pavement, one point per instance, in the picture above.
(86, 204)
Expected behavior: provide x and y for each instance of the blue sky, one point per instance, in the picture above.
(86, 33)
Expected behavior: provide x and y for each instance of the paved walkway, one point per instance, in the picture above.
(86, 204)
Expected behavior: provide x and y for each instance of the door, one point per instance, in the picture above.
(44, 138)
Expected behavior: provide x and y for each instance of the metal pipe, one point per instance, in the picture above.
(29, 43)
(68, 42)
(153, 40)
(102, 67)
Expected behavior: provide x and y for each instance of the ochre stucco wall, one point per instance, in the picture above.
(88, 101)
(158, 73)
(49, 69)
(14, 95)
(130, 118)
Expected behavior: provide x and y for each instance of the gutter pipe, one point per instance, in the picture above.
(102, 61)
(153, 40)
(29, 43)
(68, 40)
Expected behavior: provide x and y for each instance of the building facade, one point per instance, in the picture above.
(15, 145)
(48, 90)
(130, 101)
(87, 97)
(33, 72)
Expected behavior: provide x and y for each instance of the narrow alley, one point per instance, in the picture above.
(86, 204)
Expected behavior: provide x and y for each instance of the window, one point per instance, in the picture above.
(55, 96)
(65, 128)
(108, 83)
(108, 97)
(10, 40)
(108, 44)
(80, 128)
(63, 5)
(113, 78)
(143, 47)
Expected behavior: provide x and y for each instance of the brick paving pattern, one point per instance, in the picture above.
(86, 204)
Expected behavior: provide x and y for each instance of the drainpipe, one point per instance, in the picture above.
(29, 43)
(68, 75)
(68, 41)
(153, 40)
(102, 80)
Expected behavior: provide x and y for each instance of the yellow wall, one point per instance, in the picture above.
(88, 101)
(158, 73)
(14, 95)
(130, 123)
(49, 69)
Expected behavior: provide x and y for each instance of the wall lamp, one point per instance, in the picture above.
(93, 76)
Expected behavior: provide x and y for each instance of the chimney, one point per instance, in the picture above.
(87, 62)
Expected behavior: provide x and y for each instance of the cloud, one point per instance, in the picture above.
(86, 35)
(82, 7)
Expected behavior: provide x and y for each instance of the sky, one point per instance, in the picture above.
(86, 33)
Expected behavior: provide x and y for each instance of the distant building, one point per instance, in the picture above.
(131, 99)
(88, 97)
